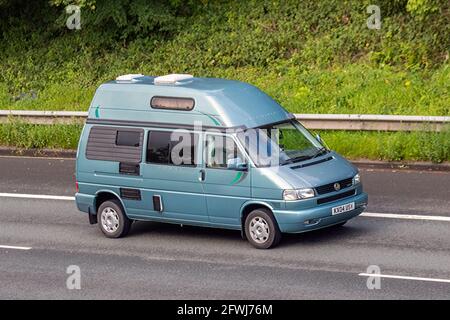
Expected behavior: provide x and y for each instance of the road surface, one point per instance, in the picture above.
(41, 238)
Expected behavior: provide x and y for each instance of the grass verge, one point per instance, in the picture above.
(28, 136)
(390, 146)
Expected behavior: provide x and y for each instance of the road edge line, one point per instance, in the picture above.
(36, 196)
(404, 216)
(387, 276)
(15, 247)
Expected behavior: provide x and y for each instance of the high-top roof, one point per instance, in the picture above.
(218, 102)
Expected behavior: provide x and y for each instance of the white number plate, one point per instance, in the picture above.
(344, 208)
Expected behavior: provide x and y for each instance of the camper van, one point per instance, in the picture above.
(207, 152)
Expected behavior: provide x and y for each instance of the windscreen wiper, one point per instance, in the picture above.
(319, 152)
(296, 159)
(301, 158)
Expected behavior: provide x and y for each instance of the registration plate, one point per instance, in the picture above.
(344, 208)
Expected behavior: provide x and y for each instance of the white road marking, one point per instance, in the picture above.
(15, 247)
(36, 196)
(403, 277)
(404, 216)
(364, 214)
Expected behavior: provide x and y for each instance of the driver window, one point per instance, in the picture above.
(221, 152)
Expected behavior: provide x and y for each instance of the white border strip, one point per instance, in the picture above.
(404, 216)
(374, 275)
(15, 247)
(36, 196)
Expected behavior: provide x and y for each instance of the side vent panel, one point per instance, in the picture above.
(130, 194)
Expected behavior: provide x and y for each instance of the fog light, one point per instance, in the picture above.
(311, 222)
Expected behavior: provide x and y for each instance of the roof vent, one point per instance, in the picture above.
(172, 78)
(129, 77)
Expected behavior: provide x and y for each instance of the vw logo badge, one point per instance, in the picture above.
(337, 186)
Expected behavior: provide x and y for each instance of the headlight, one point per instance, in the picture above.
(291, 195)
(356, 179)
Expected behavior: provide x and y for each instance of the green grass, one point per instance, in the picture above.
(390, 146)
(27, 136)
(312, 56)
(355, 88)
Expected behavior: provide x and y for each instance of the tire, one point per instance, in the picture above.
(261, 229)
(112, 220)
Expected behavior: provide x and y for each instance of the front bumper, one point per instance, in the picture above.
(297, 221)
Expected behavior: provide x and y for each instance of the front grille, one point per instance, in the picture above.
(336, 197)
(327, 188)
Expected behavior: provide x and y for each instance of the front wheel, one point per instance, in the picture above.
(112, 219)
(262, 229)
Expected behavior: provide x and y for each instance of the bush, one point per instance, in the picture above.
(312, 56)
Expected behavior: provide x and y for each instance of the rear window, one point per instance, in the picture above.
(172, 103)
(115, 144)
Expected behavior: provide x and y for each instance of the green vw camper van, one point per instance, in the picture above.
(207, 152)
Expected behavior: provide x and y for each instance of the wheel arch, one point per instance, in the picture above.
(249, 207)
(105, 195)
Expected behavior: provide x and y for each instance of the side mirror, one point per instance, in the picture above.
(241, 167)
(236, 164)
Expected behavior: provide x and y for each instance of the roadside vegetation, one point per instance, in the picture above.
(311, 56)
(31, 136)
(389, 146)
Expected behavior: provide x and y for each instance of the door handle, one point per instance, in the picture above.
(202, 175)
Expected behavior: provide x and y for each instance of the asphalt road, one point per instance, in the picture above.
(158, 261)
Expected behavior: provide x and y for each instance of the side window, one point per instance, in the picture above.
(221, 152)
(115, 144)
(128, 138)
(172, 103)
(173, 148)
(158, 147)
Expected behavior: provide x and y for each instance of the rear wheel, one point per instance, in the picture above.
(262, 229)
(112, 219)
